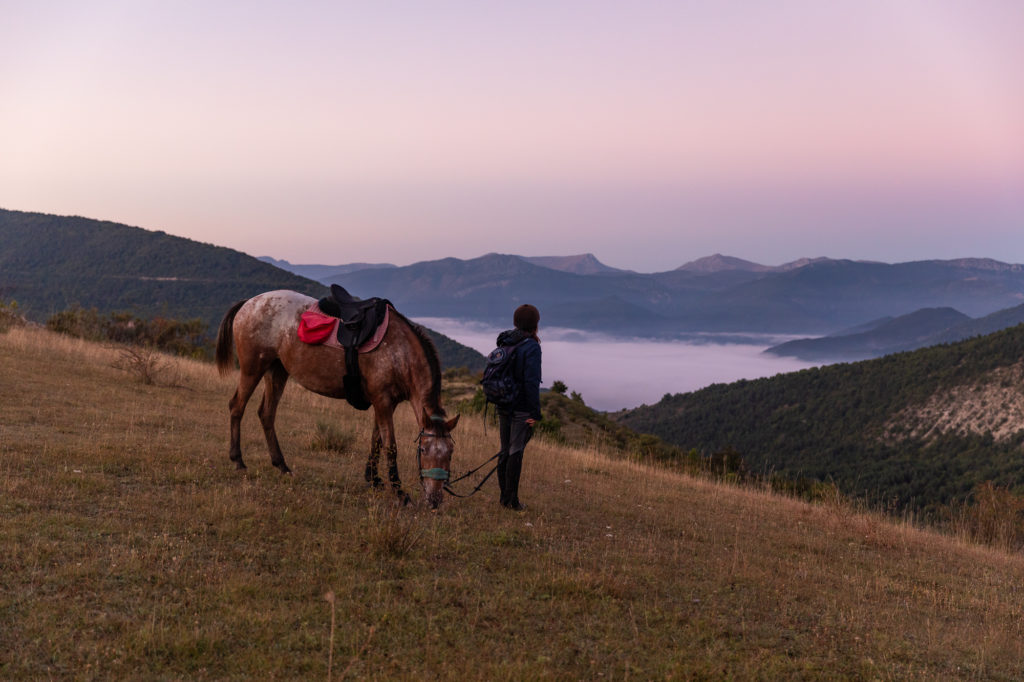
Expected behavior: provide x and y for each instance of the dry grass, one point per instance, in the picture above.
(131, 548)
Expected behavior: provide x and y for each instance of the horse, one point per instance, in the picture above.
(263, 331)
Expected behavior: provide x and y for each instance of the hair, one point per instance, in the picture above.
(433, 360)
(226, 340)
(526, 318)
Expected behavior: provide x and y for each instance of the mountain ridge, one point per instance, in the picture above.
(922, 328)
(818, 296)
(814, 296)
(318, 271)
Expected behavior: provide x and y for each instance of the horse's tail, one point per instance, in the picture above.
(226, 340)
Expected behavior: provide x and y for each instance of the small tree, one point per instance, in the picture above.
(559, 387)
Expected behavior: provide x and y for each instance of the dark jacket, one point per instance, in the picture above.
(527, 371)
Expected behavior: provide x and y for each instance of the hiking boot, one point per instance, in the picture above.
(513, 469)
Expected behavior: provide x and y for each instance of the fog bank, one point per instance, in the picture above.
(612, 374)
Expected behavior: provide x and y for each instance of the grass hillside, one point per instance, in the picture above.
(131, 548)
(49, 263)
(916, 429)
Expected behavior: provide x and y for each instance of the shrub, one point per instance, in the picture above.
(332, 438)
(995, 517)
(144, 363)
(9, 316)
(390, 531)
(186, 338)
(550, 427)
(79, 322)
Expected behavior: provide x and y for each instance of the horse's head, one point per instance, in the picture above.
(434, 455)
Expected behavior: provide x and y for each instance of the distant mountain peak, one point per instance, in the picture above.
(986, 264)
(720, 263)
(581, 264)
(801, 262)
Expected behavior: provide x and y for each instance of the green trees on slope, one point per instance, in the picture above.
(49, 263)
(831, 423)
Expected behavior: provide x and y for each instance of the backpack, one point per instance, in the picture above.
(499, 383)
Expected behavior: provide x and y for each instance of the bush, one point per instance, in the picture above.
(390, 531)
(9, 316)
(332, 438)
(550, 427)
(145, 364)
(995, 517)
(186, 338)
(79, 322)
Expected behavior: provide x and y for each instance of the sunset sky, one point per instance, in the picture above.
(649, 133)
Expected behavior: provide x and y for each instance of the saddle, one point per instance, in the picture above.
(359, 320)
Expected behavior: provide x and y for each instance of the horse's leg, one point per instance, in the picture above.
(273, 386)
(376, 445)
(387, 432)
(246, 385)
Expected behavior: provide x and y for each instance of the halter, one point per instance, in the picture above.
(437, 473)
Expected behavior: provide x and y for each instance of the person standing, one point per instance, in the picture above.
(515, 424)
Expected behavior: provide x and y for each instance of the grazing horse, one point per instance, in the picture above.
(264, 332)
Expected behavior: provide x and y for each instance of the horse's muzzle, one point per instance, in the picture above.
(434, 493)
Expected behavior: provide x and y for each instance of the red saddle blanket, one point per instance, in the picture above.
(317, 328)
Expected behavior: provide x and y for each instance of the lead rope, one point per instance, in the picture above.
(447, 483)
(447, 487)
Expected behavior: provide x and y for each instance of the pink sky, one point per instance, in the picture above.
(648, 133)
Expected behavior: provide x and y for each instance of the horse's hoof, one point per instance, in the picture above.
(240, 465)
(403, 499)
(375, 483)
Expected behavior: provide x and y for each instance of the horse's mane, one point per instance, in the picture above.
(433, 360)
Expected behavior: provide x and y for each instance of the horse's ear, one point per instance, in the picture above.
(450, 426)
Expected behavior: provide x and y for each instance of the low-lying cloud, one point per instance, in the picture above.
(612, 374)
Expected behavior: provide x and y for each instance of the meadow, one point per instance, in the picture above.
(131, 548)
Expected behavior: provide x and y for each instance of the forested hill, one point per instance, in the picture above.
(916, 429)
(48, 263)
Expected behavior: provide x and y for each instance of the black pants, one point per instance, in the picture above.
(515, 434)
